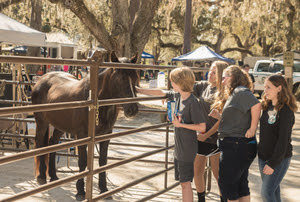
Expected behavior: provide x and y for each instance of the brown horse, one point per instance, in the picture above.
(61, 87)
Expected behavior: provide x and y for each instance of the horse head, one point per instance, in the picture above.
(120, 83)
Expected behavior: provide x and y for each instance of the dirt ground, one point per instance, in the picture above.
(19, 176)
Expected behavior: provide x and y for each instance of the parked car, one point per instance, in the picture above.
(265, 68)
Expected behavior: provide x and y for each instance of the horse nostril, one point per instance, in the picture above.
(130, 110)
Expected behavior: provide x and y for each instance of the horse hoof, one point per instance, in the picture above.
(53, 179)
(41, 181)
(108, 198)
(80, 197)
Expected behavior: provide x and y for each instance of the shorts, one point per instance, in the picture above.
(236, 157)
(207, 149)
(184, 171)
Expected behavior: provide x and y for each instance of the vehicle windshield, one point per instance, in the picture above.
(263, 67)
(297, 67)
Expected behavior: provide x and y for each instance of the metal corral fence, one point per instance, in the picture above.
(90, 141)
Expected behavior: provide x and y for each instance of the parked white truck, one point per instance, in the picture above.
(265, 68)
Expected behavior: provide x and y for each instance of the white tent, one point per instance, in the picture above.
(202, 53)
(61, 44)
(14, 32)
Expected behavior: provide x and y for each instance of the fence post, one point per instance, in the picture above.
(91, 129)
(166, 157)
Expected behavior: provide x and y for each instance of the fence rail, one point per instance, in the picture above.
(92, 103)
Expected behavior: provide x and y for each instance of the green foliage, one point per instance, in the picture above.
(260, 26)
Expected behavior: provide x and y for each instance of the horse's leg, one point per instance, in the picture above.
(52, 166)
(41, 140)
(102, 162)
(82, 163)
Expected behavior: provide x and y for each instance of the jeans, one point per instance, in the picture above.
(270, 190)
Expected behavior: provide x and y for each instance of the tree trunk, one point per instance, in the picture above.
(35, 23)
(134, 7)
(141, 28)
(187, 30)
(187, 27)
(121, 27)
(290, 17)
(126, 37)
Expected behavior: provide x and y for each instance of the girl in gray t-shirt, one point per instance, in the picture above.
(238, 123)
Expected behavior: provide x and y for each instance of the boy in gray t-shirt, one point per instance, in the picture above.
(182, 80)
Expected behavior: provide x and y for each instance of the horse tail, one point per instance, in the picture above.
(46, 156)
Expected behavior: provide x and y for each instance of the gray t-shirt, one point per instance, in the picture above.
(206, 95)
(185, 139)
(236, 115)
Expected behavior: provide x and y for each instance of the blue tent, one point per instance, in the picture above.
(147, 55)
(202, 53)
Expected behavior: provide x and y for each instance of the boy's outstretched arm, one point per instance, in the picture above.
(145, 91)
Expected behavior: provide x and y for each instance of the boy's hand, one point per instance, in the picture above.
(163, 101)
(176, 121)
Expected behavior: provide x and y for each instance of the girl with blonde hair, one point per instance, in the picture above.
(206, 91)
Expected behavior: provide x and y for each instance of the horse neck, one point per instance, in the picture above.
(104, 84)
(85, 85)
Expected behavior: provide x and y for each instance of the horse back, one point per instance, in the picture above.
(56, 87)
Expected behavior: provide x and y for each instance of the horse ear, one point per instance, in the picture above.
(113, 57)
(134, 58)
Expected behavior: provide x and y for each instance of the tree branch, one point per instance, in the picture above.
(5, 4)
(237, 40)
(210, 3)
(242, 50)
(96, 28)
(142, 25)
(205, 43)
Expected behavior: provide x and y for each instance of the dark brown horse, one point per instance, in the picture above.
(61, 87)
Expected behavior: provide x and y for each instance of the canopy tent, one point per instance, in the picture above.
(14, 32)
(147, 55)
(60, 45)
(202, 53)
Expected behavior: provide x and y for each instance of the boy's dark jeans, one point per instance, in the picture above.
(237, 154)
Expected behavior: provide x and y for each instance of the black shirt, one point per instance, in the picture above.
(206, 95)
(275, 135)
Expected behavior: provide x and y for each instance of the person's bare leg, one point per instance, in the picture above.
(187, 192)
(245, 199)
(242, 199)
(199, 169)
(214, 163)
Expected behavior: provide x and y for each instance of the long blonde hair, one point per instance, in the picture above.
(285, 96)
(238, 78)
(220, 66)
